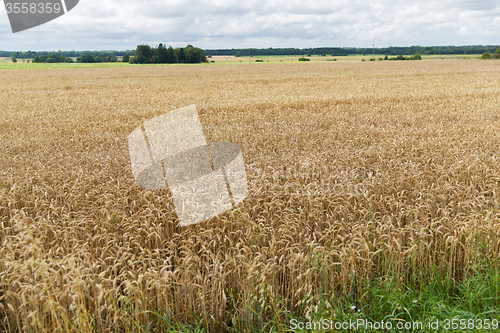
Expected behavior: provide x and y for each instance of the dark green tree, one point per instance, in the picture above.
(143, 54)
(53, 58)
(160, 54)
(171, 57)
(497, 54)
(86, 58)
(111, 58)
(181, 55)
(190, 54)
(100, 58)
(486, 55)
(194, 55)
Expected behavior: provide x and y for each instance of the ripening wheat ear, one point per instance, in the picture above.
(388, 169)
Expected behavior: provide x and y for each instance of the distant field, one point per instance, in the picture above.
(316, 58)
(6, 63)
(357, 172)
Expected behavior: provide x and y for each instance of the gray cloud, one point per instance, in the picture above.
(96, 24)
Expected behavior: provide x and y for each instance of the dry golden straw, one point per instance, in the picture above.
(352, 167)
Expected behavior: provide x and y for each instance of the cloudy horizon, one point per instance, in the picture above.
(223, 24)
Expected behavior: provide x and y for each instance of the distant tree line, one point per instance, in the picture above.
(416, 56)
(146, 54)
(345, 51)
(68, 54)
(88, 58)
(20, 55)
(159, 54)
(53, 58)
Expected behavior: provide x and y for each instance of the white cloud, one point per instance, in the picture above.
(96, 24)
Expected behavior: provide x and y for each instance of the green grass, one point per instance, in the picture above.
(440, 302)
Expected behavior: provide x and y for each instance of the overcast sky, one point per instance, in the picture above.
(123, 24)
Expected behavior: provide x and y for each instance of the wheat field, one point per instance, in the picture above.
(354, 170)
